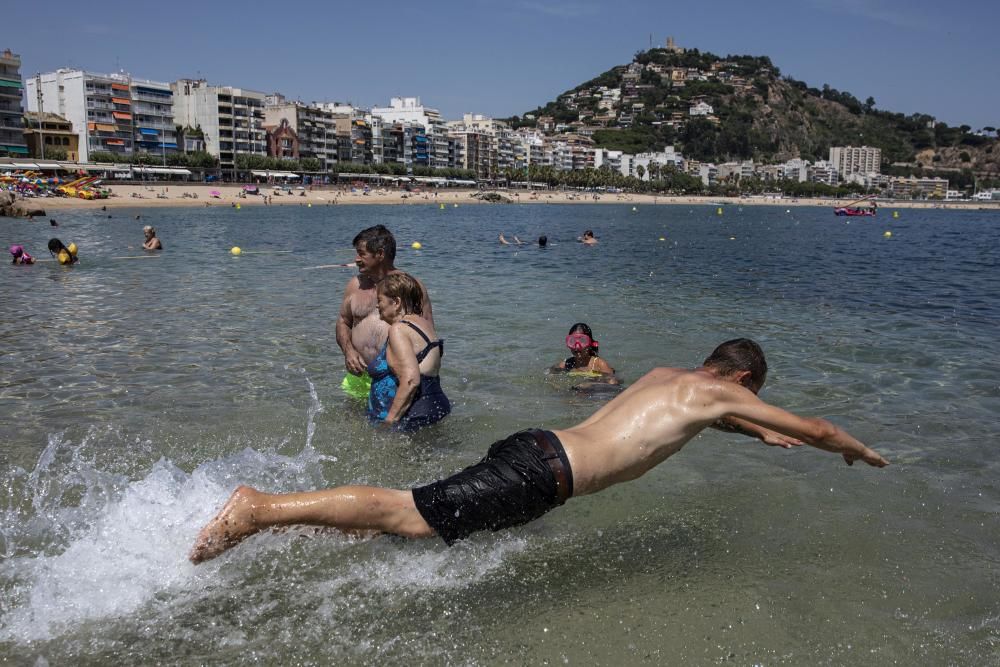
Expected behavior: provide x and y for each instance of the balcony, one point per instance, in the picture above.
(149, 97)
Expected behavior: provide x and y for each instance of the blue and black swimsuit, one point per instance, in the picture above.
(430, 405)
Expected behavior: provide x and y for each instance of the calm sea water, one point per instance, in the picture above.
(137, 392)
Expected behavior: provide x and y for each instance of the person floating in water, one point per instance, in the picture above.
(531, 472)
(65, 254)
(360, 331)
(406, 390)
(588, 238)
(151, 242)
(20, 255)
(585, 360)
(503, 241)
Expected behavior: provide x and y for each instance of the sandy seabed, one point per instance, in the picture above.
(198, 194)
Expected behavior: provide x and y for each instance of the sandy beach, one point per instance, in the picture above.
(198, 194)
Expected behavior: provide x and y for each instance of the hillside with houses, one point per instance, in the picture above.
(736, 108)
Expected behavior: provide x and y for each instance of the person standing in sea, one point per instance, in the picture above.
(361, 333)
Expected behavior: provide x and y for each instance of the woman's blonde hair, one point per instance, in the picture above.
(404, 287)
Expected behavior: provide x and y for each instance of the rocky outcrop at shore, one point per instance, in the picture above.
(11, 208)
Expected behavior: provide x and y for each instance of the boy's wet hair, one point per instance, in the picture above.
(377, 238)
(739, 354)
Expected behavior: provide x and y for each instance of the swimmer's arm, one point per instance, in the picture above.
(403, 364)
(735, 401)
(765, 435)
(558, 368)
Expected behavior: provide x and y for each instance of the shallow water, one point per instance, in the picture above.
(136, 393)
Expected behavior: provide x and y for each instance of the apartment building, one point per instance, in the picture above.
(918, 188)
(406, 143)
(668, 157)
(111, 113)
(354, 140)
(231, 119)
(315, 127)
(12, 143)
(856, 160)
(604, 158)
(411, 112)
(823, 172)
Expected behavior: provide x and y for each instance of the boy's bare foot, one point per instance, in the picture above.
(234, 523)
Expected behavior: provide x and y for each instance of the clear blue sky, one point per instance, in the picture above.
(504, 58)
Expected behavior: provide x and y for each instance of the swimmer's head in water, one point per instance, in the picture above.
(149, 231)
(737, 356)
(16, 250)
(581, 338)
(543, 241)
(55, 245)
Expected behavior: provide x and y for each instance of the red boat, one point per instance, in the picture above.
(854, 211)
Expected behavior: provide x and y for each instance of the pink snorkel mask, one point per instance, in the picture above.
(579, 342)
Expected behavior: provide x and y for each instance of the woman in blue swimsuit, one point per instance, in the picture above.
(406, 390)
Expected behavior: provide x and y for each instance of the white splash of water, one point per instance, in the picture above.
(122, 544)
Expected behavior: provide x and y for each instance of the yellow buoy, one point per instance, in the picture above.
(442, 207)
(236, 250)
(718, 211)
(895, 214)
(416, 245)
(309, 205)
(887, 234)
(237, 207)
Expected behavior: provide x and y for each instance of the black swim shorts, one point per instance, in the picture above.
(520, 479)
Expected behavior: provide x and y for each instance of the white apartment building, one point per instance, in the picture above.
(410, 111)
(708, 173)
(668, 157)
(856, 160)
(610, 159)
(232, 119)
(796, 169)
(113, 113)
(529, 147)
(823, 172)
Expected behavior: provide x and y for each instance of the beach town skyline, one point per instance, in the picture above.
(870, 49)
